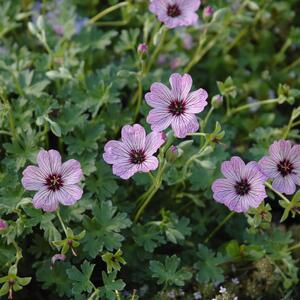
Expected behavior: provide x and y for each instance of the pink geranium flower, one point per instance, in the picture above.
(134, 153)
(176, 107)
(175, 13)
(55, 182)
(243, 185)
(283, 166)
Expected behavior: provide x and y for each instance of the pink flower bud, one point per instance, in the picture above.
(217, 101)
(3, 225)
(142, 48)
(208, 11)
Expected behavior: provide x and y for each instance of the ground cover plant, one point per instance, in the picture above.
(149, 149)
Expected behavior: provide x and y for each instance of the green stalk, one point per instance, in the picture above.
(205, 123)
(157, 50)
(296, 246)
(61, 222)
(268, 185)
(152, 190)
(247, 106)
(216, 229)
(288, 129)
(106, 12)
(10, 117)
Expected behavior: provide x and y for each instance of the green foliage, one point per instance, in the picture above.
(209, 265)
(111, 285)
(103, 230)
(81, 278)
(168, 273)
(70, 84)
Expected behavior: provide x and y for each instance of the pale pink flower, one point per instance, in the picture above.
(283, 166)
(134, 153)
(55, 182)
(243, 185)
(57, 257)
(175, 13)
(176, 107)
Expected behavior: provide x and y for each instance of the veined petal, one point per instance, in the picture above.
(71, 172)
(49, 161)
(150, 164)
(181, 86)
(69, 194)
(153, 142)
(125, 170)
(46, 200)
(284, 185)
(33, 178)
(159, 119)
(134, 137)
(115, 151)
(233, 169)
(184, 124)
(196, 101)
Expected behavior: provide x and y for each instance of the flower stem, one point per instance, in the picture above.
(106, 12)
(247, 106)
(157, 49)
(139, 97)
(10, 117)
(18, 252)
(61, 222)
(295, 124)
(117, 295)
(152, 190)
(268, 185)
(292, 65)
(207, 118)
(289, 126)
(296, 246)
(205, 123)
(216, 229)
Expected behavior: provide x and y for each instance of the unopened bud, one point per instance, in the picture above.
(173, 153)
(3, 225)
(142, 48)
(208, 11)
(217, 101)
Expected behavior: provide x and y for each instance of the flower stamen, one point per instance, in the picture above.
(54, 182)
(285, 167)
(242, 187)
(177, 108)
(137, 156)
(173, 11)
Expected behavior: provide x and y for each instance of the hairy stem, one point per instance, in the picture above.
(249, 105)
(61, 222)
(216, 229)
(107, 11)
(289, 126)
(157, 50)
(10, 117)
(269, 186)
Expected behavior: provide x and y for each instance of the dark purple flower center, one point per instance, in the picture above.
(242, 187)
(285, 167)
(54, 182)
(173, 11)
(177, 108)
(137, 156)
